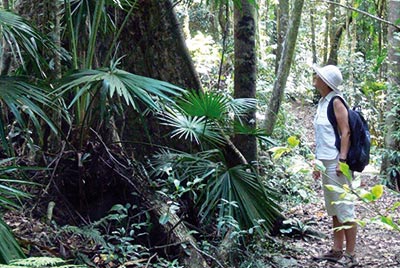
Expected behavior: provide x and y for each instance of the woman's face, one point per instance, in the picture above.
(318, 82)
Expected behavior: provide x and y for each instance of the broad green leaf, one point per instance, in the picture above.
(395, 206)
(334, 188)
(164, 219)
(293, 141)
(367, 196)
(346, 171)
(388, 222)
(279, 151)
(377, 191)
(319, 166)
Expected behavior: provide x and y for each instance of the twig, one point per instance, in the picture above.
(206, 254)
(363, 12)
(148, 262)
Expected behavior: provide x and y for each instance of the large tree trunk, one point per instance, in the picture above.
(392, 121)
(284, 67)
(246, 72)
(153, 45)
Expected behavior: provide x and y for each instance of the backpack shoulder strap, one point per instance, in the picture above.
(331, 111)
(332, 118)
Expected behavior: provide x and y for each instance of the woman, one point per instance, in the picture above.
(326, 81)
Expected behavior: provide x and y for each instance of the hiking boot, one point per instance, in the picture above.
(349, 261)
(331, 255)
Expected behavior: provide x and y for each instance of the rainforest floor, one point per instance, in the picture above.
(377, 246)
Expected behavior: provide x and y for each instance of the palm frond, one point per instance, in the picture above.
(134, 89)
(240, 186)
(209, 104)
(42, 262)
(21, 97)
(9, 248)
(192, 128)
(22, 38)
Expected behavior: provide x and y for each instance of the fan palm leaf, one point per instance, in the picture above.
(131, 87)
(22, 38)
(108, 82)
(9, 248)
(214, 105)
(21, 97)
(237, 185)
(253, 200)
(193, 128)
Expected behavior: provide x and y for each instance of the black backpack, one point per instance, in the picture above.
(360, 139)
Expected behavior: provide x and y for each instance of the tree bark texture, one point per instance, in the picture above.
(245, 72)
(392, 121)
(282, 24)
(284, 67)
(335, 42)
(153, 45)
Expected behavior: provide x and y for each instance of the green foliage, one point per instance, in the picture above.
(288, 171)
(235, 192)
(352, 192)
(23, 98)
(41, 262)
(123, 232)
(96, 91)
(9, 248)
(23, 38)
(205, 117)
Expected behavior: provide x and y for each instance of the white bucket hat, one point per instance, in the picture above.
(331, 75)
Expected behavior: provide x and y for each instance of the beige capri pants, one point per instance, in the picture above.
(343, 211)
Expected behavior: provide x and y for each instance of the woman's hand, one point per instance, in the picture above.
(338, 171)
(316, 174)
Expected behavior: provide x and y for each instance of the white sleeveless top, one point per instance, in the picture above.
(324, 134)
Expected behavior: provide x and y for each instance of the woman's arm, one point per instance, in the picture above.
(342, 119)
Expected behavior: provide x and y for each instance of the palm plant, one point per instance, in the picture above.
(234, 191)
(100, 88)
(22, 39)
(9, 248)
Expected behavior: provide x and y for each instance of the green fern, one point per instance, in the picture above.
(41, 262)
(87, 232)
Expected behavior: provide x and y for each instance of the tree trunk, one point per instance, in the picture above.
(335, 42)
(313, 37)
(284, 67)
(392, 142)
(282, 25)
(153, 45)
(6, 51)
(245, 72)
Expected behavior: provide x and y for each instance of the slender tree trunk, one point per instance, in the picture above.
(284, 67)
(6, 51)
(282, 25)
(313, 39)
(245, 72)
(326, 38)
(392, 142)
(335, 43)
